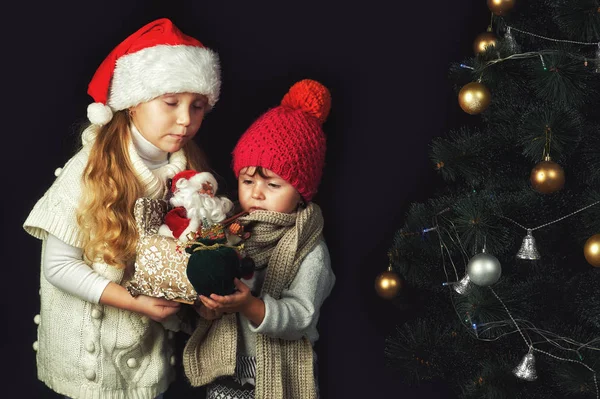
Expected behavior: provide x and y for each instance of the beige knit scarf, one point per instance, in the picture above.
(284, 369)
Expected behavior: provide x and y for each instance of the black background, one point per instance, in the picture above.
(385, 64)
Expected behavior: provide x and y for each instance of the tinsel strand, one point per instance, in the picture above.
(554, 221)
(551, 39)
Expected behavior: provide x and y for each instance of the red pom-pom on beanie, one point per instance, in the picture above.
(289, 139)
(309, 96)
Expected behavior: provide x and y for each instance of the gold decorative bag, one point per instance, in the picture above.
(161, 262)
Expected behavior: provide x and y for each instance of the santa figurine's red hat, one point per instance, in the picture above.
(156, 60)
(204, 182)
(184, 174)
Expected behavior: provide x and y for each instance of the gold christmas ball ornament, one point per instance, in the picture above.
(500, 7)
(547, 177)
(591, 250)
(484, 40)
(388, 284)
(474, 98)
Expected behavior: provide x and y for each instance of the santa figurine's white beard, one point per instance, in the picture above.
(201, 206)
(202, 210)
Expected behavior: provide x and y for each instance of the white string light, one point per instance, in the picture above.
(531, 346)
(593, 345)
(537, 53)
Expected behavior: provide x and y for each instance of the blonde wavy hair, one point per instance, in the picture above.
(110, 189)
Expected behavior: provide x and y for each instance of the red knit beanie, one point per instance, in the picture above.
(289, 139)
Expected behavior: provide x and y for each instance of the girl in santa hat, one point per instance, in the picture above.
(278, 162)
(95, 340)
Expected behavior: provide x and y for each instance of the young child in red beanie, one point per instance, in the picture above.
(278, 162)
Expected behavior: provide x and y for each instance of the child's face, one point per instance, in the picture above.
(171, 120)
(270, 193)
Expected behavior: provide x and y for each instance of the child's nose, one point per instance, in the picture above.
(183, 117)
(257, 192)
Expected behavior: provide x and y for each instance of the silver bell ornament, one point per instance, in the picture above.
(484, 269)
(463, 285)
(526, 369)
(528, 249)
(512, 45)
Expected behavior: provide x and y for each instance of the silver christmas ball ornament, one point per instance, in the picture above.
(484, 269)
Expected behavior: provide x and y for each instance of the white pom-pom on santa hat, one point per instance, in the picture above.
(99, 114)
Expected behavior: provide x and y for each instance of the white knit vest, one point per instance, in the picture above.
(87, 350)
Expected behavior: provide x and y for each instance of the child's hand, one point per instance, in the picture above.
(233, 303)
(206, 313)
(158, 309)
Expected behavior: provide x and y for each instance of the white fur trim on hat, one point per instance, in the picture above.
(99, 114)
(146, 74)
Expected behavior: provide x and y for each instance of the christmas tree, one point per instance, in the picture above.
(502, 265)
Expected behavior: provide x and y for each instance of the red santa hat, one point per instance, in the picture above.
(155, 60)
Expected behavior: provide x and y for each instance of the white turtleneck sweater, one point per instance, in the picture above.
(63, 264)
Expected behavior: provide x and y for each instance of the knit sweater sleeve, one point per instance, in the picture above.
(296, 313)
(55, 212)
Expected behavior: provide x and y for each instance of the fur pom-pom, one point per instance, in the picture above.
(99, 114)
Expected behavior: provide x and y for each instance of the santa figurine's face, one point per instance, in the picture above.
(195, 191)
(171, 120)
(267, 191)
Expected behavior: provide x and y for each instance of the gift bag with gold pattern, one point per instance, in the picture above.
(161, 262)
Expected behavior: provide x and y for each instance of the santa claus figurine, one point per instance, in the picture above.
(195, 205)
